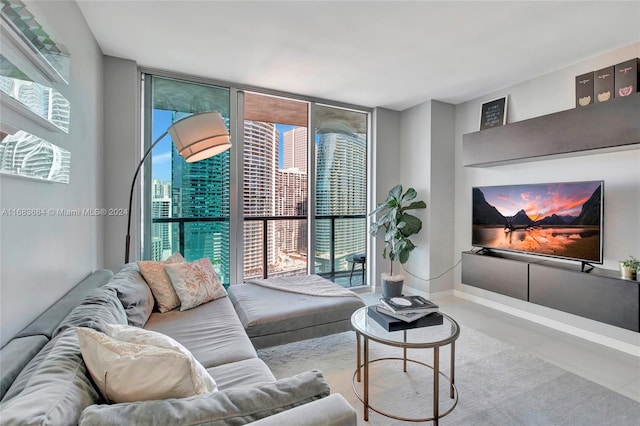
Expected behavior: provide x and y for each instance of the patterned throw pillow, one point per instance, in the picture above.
(196, 283)
(134, 371)
(159, 283)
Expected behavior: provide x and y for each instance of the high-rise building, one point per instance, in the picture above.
(340, 190)
(292, 201)
(202, 190)
(295, 146)
(161, 208)
(259, 193)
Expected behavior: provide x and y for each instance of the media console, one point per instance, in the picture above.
(598, 294)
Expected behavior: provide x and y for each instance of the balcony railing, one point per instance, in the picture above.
(333, 258)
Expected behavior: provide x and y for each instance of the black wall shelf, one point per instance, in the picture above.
(614, 125)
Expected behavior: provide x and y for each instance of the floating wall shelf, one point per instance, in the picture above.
(614, 125)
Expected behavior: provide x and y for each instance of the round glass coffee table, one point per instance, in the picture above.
(434, 336)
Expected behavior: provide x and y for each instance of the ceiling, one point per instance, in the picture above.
(393, 54)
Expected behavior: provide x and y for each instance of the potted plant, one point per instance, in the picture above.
(629, 268)
(398, 226)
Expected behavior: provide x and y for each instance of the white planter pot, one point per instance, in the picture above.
(627, 273)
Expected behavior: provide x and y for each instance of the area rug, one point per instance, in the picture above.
(498, 384)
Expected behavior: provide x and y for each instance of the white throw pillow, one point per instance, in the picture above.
(195, 283)
(127, 371)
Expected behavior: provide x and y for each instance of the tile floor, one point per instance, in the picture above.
(608, 367)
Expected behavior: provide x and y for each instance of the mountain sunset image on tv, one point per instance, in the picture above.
(554, 219)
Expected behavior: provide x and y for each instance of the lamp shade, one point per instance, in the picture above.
(200, 136)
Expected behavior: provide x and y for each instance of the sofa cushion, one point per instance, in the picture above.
(134, 294)
(98, 308)
(48, 321)
(160, 283)
(211, 332)
(241, 374)
(54, 387)
(231, 406)
(333, 410)
(195, 282)
(264, 311)
(126, 371)
(15, 355)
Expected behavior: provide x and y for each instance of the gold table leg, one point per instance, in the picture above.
(453, 369)
(366, 379)
(358, 356)
(436, 380)
(404, 362)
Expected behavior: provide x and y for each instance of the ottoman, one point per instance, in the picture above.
(274, 317)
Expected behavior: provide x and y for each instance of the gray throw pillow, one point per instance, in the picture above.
(237, 406)
(134, 294)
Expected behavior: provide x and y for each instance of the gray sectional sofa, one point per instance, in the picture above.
(44, 380)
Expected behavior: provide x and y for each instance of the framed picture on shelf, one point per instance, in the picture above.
(494, 113)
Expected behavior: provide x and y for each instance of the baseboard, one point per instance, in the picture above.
(413, 292)
(591, 336)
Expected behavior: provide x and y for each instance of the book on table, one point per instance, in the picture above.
(406, 304)
(394, 324)
(404, 316)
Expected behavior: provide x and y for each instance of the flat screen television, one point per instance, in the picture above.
(561, 220)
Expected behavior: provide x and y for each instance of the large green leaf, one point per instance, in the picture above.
(409, 195)
(415, 205)
(403, 256)
(412, 226)
(396, 192)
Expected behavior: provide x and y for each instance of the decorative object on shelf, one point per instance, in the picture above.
(607, 83)
(627, 77)
(603, 84)
(494, 113)
(629, 268)
(196, 137)
(584, 89)
(398, 226)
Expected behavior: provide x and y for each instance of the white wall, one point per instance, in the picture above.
(427, 155)
(385, 174)
(121, 156)
(619, 170)
(41, 258)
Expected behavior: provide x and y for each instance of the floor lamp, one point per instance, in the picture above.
(196, 137)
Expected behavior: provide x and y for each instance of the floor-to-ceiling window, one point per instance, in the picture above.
(189, 202)
(275, 186)
(341, 191)
(253, 216)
